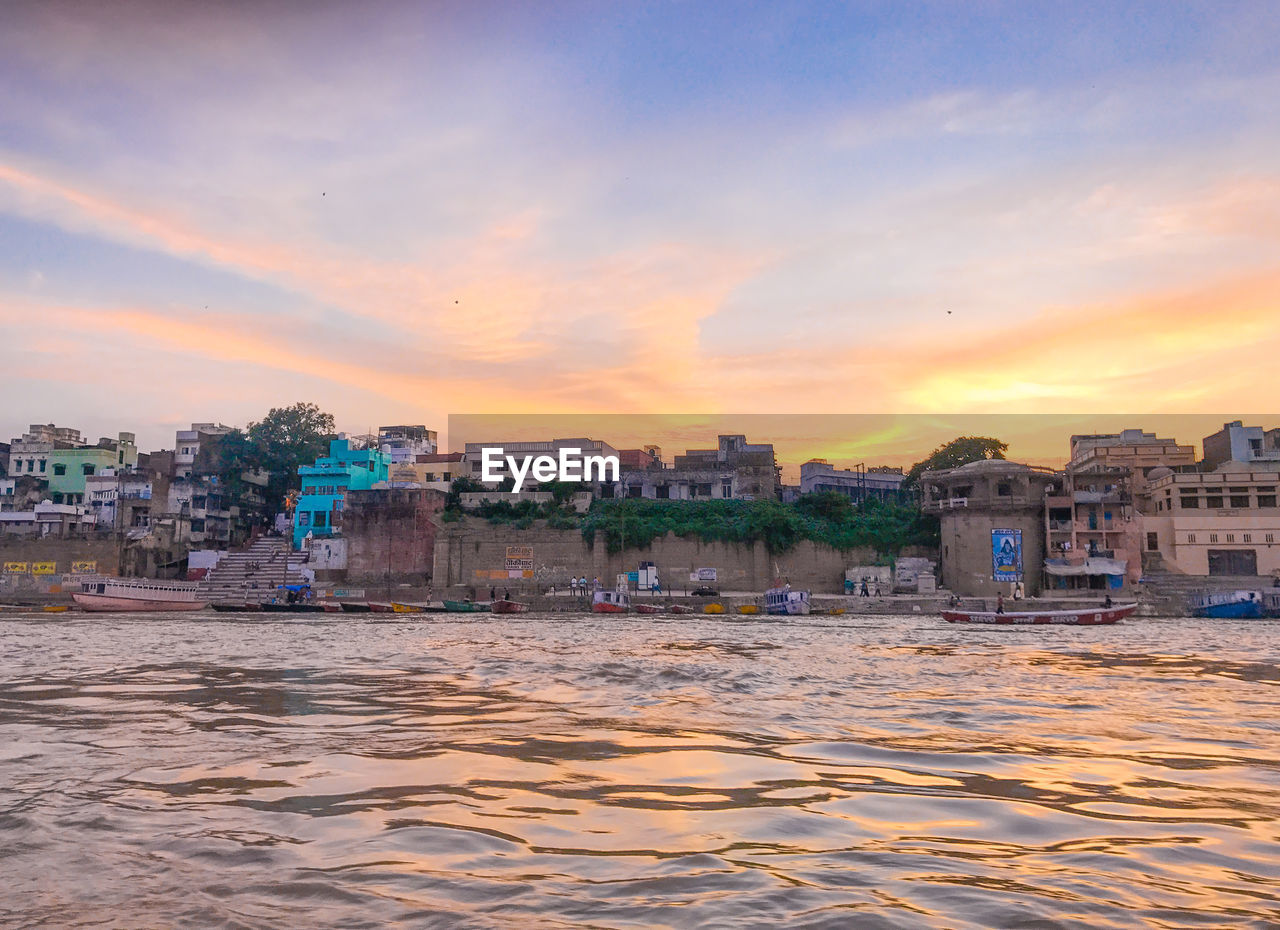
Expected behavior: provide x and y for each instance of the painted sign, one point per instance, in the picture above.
(703, 574)
(519, 561)
(1006, 555)
(16, 568)
(44, 568)
(84, 568)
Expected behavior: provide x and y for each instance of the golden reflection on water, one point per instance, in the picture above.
(548, 772)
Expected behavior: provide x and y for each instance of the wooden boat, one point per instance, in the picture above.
(465, 607)
(398, 608)
(611, 602)
(229, 608)
(137, 594)
(1229, 605)
(1090, 616)
(504, 606)
(331, 607)
(827, 611)
(682, 609)
(355, 607)
(748, 608)
(650, 609)
(780, 599)
(379, 608)
(286, 608)
(713, 609)
(55, 608)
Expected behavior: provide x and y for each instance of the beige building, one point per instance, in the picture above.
(980, 505)
(1224, 522)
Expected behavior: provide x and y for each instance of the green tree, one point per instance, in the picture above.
(286, 438)
(957, 452)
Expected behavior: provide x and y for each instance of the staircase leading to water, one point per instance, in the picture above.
(253, 573)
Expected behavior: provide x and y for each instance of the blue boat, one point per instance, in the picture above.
(1228, 605)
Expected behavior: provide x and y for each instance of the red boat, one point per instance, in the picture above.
(681, 609)
(1091, 616)
(503, 606)
(650, 609)
(611, 602)
(381, 608)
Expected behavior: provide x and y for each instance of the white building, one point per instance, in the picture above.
(817, 475)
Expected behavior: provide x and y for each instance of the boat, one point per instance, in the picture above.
(398, 608)
(748, 608)
(331, 607)
(1271, 603)
(138, 594)
(504, 606)
(780, 599)
(713, 609)
(229, 608)
(378, 608)
(650, 609)
(1226, 605)
(1087, 616)
(465, 607)
(681, 609)
(354, 607)
(55, 608)
(611, 602)
(283, 607)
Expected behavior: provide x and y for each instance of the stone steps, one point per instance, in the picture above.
(254, 572)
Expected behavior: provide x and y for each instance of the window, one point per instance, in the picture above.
(1213, 537)
(1213, 503)
(319, 519)
(1190, 501)
(1266, 500)
(197, 526)
(1240, 501)
(42, 466)
(1191, 537)
(1004, 489)
(59, 469)
(1271, 537)
(304, 519)
(726, 488)
(88, 468)
(1231, 537)
(1153, 542)
(1248, 537)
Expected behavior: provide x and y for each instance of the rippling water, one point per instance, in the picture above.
(637, 772)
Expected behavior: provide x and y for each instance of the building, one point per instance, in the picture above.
(119, 499)
(403, 444)
(641, 459)
(68, 468)
(1224, 522)
(1236, 442)
(223, 506)
(992, 516)
(48, 520)
(1132, 449)
(29, 453)
(734, 470)
(435, 470)
(325, 484)
(390, 535)
(884, 482)
(1093, 530)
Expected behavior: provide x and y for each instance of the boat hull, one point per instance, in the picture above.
(682, 609)
(105, 603)
(602, 608)
(1096, 616)
(509, 607)
(1237, 610)
(349, 607)
(749, 608)
(649, 609)
(463, 607)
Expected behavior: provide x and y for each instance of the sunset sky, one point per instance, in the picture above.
(406, 210)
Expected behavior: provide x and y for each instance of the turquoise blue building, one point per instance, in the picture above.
(326, 483)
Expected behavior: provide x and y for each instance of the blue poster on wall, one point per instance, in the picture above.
(1006, 555)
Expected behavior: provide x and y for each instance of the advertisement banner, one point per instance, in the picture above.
(16, 568)
(84, 568)
(44, 568)
(1006, 555)
(519, 558)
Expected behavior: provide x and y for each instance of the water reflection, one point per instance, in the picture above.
(556, 771)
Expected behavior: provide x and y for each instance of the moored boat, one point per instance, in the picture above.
(611, 602)
(682, 609)
(1090, 616)
(379, 608)
(465, 607)
(1226, 605)
(229, 608)
(398, 608)
(504, 606)
(354, 607)
(650, 609)
(137, 594)
(331, 607)
(748, 608)
(713, 609)
(780, 599)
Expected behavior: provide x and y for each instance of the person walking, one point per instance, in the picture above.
(864, 592)
(999, 602)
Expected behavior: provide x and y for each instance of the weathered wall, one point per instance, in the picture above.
(61, 552)
(966, 550)
(391, 533)
(472, 552)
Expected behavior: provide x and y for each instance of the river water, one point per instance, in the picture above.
(637, 772)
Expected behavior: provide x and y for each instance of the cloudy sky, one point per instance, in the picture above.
(405, 210)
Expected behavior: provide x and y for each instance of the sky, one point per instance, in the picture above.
(402, 211)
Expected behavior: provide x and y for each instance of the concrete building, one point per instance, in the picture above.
(119, 499)
(29, 453)
(188, 444)
(403, 444)
(48, 520)
(1132, 449)
(1094, 532)
(734, 470)
(325, 485)
(223, 509)
(1236, 442)
(859, 483)
(1224, 522)
(69, 468)
(992, 516)
(435, 471)
(523, 451)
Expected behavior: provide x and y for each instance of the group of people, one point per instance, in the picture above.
(580, 585)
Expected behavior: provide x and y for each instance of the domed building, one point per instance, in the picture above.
(993, 525)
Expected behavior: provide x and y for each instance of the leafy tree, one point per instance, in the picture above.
(286, 438)
(957, 452)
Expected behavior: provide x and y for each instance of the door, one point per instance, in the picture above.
(1233, 562)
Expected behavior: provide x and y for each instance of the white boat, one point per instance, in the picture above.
(611, 602)
(780, 599)
(135, 594)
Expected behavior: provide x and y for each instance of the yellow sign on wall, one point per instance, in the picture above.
(44, 568)
(84, 568)
(16, 568)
